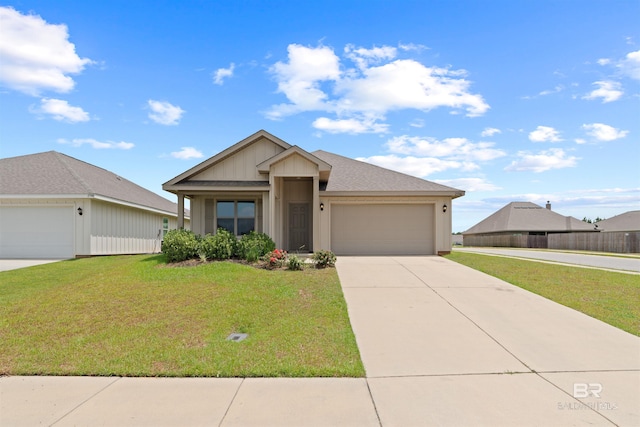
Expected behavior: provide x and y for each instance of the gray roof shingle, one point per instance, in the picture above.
(628, 221)
(527, 216)
(355, 176)
(53, 173)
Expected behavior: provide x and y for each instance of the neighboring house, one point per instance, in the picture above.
(311, 201)
(628, 221)
(522, 224)
(55, 206)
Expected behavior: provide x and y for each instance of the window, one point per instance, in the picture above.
(165, 226)
(238, 217)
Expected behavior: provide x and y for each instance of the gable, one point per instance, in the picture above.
(294, 165)
(241, 165)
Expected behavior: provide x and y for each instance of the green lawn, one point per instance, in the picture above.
(133, 316)
(608, 296)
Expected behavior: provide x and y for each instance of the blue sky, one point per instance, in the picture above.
(507, 100)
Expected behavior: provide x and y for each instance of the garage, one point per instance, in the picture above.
(36, 232)
(382, 229)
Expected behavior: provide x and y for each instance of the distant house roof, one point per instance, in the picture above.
(628, 221)
(349, 175)
(527, 216)
(56, 174)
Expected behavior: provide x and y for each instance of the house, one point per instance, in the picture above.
(56, 206)
(311, 201)
(628, 221)
(522, 224)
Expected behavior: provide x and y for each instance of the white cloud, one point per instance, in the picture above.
(604, 61)
(417, 166)
(545, 134)
(417, 123)
(36, 56)
(554, 158)
(630, 65)
(620, 199)
(558, 88)
(452, 148)
(187, 153)
(300, 79)
(99, 145)
(61, 110)
(405, 83)
(223, 73)
(316, 79)
(603, 132)
(164, 113)
(608, 90)
(469, 184)
(490, 132)
(351, 126)
(424, 156)
(364, 57)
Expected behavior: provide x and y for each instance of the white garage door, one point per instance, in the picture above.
(382, 229)
(36, 232)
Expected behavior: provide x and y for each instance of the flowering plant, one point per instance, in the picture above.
(276, 258)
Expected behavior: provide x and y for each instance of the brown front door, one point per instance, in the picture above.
(299, 227)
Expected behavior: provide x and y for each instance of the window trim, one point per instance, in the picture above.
(235, 214)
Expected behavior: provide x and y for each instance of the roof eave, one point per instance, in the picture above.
(453, 195)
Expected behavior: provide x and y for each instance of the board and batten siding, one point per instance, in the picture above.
(241, 166)
(118, 229)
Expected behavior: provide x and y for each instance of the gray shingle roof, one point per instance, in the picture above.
(53, 173)
(356, 176)
(527, 216)
(628, 221)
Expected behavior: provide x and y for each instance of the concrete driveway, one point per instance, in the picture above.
(444, 344)
(14, 264)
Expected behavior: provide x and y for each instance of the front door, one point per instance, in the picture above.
(299, 227)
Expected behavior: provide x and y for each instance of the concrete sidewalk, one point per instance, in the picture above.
(442, 345)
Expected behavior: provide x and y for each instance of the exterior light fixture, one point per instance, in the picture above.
(80, 211)
(321, 206)
(444, 208)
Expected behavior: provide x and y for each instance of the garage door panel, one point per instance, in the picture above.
(36, 232)
(381, 229)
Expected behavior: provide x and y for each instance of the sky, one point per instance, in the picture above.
(507, 100)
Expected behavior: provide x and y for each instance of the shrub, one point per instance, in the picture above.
(324, 259)
(295, 263)
(180, 245)
(253, 246)
(276, 258)
(221, 245)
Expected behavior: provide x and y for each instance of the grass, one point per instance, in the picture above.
(608, 296)
(133, 316)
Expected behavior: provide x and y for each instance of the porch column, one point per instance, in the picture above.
(272, 207)
(266, 215)
(315, 242)
(180, 210)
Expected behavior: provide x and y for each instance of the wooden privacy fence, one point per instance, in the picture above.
(621, 242)
(614, 241)
(497, 240)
